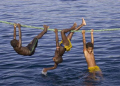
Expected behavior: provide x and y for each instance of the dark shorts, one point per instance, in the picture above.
(32, 45)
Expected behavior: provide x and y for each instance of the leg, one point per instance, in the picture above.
(64, 38)
(43, 32)
(71, 33)
(99, 73)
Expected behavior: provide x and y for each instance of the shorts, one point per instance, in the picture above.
(32, 46)
(94, 69)
(68, 48)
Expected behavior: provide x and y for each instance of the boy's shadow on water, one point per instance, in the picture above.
(67, 77)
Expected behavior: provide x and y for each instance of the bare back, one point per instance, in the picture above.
(23, 51)
(62, 51)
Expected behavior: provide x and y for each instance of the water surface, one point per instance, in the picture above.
(18, 70)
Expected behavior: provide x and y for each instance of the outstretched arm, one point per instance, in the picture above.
(51, 68)
(14, 35)
(84, 40)
(20, 39)
(92, 38)
(44, 71)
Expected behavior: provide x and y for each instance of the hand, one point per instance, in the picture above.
(15, 25)
(19, 25)
(83, 31)
(44, 72)
(92, 30)
(56, 30)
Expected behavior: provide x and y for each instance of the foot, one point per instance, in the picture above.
(74, 26)
(15, 25)
(83, 22)
(19, 25)
(45, 28)
(56, 30)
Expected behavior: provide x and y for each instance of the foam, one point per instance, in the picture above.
(44, 73)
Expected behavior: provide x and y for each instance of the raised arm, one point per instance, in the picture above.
(14, 35)
(20, 35)
(84, 40)
(57, 41)
(92, 38)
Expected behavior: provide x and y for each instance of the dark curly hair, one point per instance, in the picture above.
(89, 44)
(14, 43)
(58, 60)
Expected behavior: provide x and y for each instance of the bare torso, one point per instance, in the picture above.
(90, 59)
(58, 55)
(62, 50)
(22, 51)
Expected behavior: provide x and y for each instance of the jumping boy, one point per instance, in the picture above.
(89, 55)
(30, 48)
(65, 45)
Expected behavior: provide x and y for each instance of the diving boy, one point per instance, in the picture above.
(89, 54)
(30, 48)
(64, 45)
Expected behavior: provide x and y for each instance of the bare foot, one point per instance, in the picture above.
(56, 30)
(45, 28)
(83, 22)
(15, 25)
(19, 25)
(74, 26)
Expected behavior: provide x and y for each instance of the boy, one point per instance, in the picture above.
(65, 45)
(30, 48)
(89, 54)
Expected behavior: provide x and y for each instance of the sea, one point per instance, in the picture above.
(19, 70)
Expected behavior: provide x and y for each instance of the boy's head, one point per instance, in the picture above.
(57, 60)
(14, 43)
(89, 47)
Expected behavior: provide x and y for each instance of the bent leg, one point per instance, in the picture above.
(43, 32)
(64, 37)
(71, 33)
(31, 46)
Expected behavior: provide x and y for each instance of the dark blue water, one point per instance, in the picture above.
(18, 70)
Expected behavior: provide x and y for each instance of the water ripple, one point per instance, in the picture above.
(18, 70)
